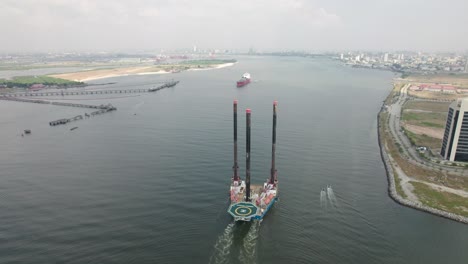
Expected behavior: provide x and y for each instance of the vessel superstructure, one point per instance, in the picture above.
(244, 80)
(250, 201)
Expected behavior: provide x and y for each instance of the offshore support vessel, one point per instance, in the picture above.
(252, 202)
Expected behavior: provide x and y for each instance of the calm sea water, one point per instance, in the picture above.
(149, 182)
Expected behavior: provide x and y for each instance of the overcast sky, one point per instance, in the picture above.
(112, 25)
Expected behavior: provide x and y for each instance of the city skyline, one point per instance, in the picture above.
(82, 25)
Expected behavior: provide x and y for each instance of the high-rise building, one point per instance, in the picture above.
(385, 57)
(455, 141)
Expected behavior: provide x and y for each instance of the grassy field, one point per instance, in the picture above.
(27, 81)
(424, 123)
(428, 106)
(436, 95)
(430, 175)
(425, 119)
(441, 200)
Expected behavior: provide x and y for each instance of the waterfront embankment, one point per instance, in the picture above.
(396, 155)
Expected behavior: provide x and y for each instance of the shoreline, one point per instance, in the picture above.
(130, 72)
(392, 188)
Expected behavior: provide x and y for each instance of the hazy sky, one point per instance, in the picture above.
(94, 25)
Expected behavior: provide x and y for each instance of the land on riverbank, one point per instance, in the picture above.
(83, 76)
(46, 81)
(420, 178)
(459, 80)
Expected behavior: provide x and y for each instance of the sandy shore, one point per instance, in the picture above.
(118, 75)
(85, 76)
(420, 130)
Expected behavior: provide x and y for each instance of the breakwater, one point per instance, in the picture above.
(37, 101)
(392, 188)
(102, 110)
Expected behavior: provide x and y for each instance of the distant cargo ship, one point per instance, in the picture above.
(244, 80)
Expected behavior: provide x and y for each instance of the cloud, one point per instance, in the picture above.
(166, 24)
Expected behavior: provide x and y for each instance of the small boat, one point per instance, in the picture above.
(73, 128)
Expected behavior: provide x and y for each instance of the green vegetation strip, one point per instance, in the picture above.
(441, 200)
(431, 120)
(27, 81)
(207, 62)
(428, 106)
(429, 124)
(423, 116)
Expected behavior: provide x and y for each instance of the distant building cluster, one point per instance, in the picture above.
(156, 56)
(407, 62)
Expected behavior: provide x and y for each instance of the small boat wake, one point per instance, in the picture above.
(323, 198)
(222, 248)
(237, 241)
(331, 196)
(327, 196)
(248, 249)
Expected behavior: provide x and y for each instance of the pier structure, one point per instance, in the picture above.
(37, 101)
(100, 109)
(65, 93)
(84, 92)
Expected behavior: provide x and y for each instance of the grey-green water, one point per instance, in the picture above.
(149, 182)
